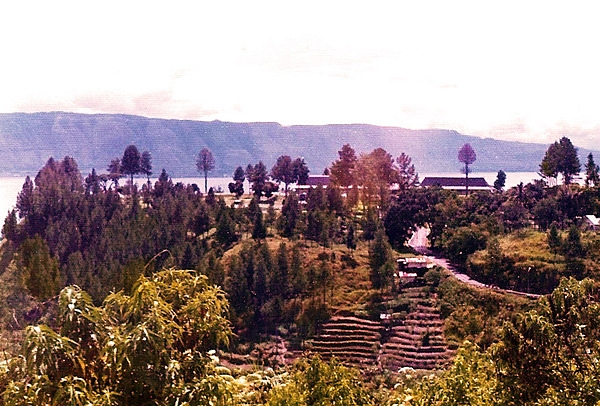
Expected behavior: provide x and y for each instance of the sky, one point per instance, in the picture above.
(514, 70)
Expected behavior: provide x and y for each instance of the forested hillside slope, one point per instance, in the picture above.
(28, 140)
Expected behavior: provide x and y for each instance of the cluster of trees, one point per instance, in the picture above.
(69, 231)
(268, 288)
(157, 345)
(372, 174)
(132, 163)
(85, 232)
(284, 171)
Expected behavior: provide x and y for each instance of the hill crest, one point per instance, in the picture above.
(27, 140)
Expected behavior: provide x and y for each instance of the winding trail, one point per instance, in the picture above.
(419, 243)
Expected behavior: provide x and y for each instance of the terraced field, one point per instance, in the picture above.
(411, 339)
(352, 340)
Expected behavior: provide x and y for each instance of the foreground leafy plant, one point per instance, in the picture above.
(147, 348)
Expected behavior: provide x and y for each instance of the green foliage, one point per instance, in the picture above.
(350, 239)
(149, 348)
(561, 158)
(554, 240)
(462, 242)
(370, 224)
(470, 380)
(257, 176)
(513, 215)
(10, 227)
(225, 233)
(40, 270)
(466, 155)
(500, 180)
(474, 314)
(205, 162)
(290, 212)
(409, 210)
(381, 261)
(259, 231)
(315, 382)
(342, 170)
(553, 353)
(287, 171)
(592, 176)
(546, 212)
(92, 236)
(572, 246)
(131, 162)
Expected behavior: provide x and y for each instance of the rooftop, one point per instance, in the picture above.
(454, 182)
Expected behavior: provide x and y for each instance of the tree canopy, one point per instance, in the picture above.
(466, 155)
(561, 158)
(342, 170)
(205, 162)
(131, 162)
(592, 172)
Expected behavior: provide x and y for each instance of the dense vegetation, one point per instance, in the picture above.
(103, 322)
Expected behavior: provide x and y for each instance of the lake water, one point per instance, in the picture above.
(11, 186)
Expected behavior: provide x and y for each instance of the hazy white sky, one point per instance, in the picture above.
(526, 70)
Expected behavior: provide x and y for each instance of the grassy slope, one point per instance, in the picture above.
(529, 251)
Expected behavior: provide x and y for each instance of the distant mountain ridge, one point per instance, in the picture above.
(27, 140)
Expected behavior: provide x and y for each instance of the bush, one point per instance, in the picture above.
(348, 261)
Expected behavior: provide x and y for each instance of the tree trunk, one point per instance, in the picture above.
(466, 179)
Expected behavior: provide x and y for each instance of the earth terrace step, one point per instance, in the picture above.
(348, 325)
(348, 330)
(392, 349)
(432, 324)
(424, 313)
(345, 333)
(430, 307)
(410, 332)
(372, 346)
(412, 341)
(411, 338)
(416, 329)
(415, 340)
(414, 345)
(441, 358)
(414, 357)
(356, 320)
(428, 317)
(346, 343)
(348, 351)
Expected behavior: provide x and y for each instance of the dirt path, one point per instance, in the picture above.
(419, 242)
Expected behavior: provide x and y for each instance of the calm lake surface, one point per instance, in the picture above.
(11, 186)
